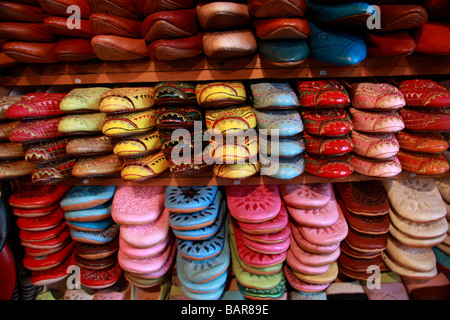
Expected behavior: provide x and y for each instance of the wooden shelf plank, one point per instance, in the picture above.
(206, 69)
(208, 178)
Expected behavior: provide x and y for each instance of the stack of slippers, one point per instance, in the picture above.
(318, 227)
(327, 128)
(418, 223)
(12, 162)
(376, 120)
(39, 32)
(198, 218)
(230, 123)
(74, 44)
(282, 32)
(40, 115)
(422, 144)
(146, 243)
(44, 234)
(88, 214)
(83, 119)
(227, 31)
(281, 144)
(131, 121)
(259, 240)
(180, 126)
(442, 250)
(116, 27)
(171, 30)
(365, 206)
(83, 124)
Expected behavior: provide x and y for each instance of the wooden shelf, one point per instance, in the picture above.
(206, 69)
(208, 178)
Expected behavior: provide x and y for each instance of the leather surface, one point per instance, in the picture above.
(220, 94)
(422, 142)
(426, 120)
(54, 172)
(11, 150)
(51, 151)
(73, 49)
(15, 169)
(363, 197)
(59, 7)
(103, 23)
(273, 95)
(229, 44)
(395, 43)
(36, 105)
(175, 49)
(336, 47)
(283, 53)
(90, 146)
(424, 93)
(23, 31)
(428, 38)
(402, 16)
(123, 8)
(223, 15)
(170, 24)
(423, 163)
(327, 146)
(282, 28)
(335, 167)
(376, 121)
(31, 52)
(8, 278)
(322, 94)
(330, 122)
(377, 167)
(379, 146)
(36, 130)
(97, 166)
(152, 6)
(277, 8)
(345, 15)
(115, 48)
(59, 26)
(381, 96)
(12, 11)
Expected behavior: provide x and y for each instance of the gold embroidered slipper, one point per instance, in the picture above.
(139, 145)
(127, 124)
(232, 121)
(144, 167)
(119, 100)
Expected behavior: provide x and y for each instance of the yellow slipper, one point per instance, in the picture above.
(83, 100)
(236, 171)
(144, 167)
(242, 149)
(230, 121)
(119, 100)
(220, 94)
(138, 145)
(82, 123)
(126, 124)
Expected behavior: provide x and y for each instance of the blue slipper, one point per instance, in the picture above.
(336, 47)
(284, 53)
